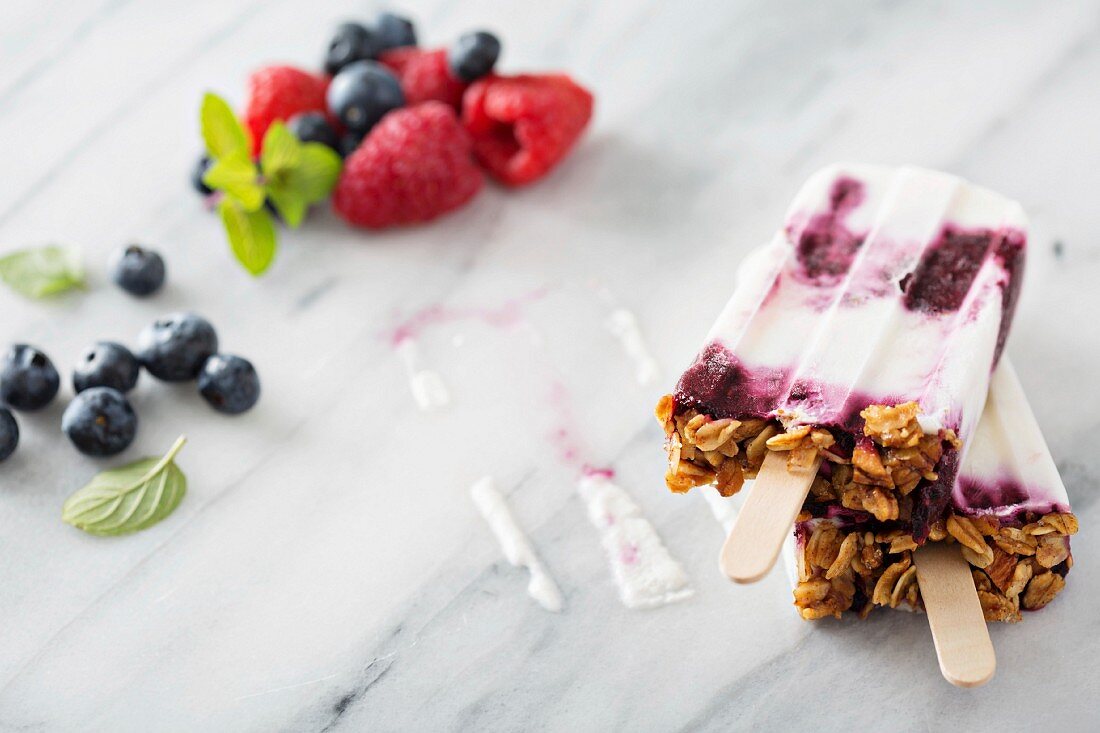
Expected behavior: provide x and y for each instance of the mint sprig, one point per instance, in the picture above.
(296, 174)
(235, 174)
(290, 175)
(38, 272)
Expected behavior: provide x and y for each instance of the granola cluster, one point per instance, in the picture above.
(892, 461)
(879, 476)
(1014, 567)
(702, 450)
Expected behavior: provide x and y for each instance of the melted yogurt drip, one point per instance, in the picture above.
(517, 548)
(426, 385)
(623, 325)
(647, 575)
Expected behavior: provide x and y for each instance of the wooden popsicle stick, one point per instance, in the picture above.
(765, 519)
(955, 615)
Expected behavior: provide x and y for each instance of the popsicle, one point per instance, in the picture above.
(853, 360)
(1009, 515)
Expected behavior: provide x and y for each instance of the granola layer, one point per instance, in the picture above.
(1015, 567)
(877, 472)
(875, 499)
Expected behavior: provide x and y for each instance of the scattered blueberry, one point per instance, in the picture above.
(28, 380)
(9, 433)
(312, 127)
(349, 142)
(106, 364)
(229, 383)
(137, 270)
(174, 347)
(393, 31)
(201, 166)
(474, 55)
(352, 42)
(100, 422)
(362, 93)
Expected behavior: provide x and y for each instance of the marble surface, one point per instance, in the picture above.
(328, 569)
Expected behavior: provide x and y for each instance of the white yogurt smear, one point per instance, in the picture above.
(515, 544)
(645, 572)
(623, 325)
(426, 385)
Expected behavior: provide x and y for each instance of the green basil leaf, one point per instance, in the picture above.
(127, 499)
(236, 175)
(221, 130)
(251, 236)
(40, 271)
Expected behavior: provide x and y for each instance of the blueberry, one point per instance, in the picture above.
(349, 143)
(312, 127)
(474, 55)
(201, 166)
(362, 93)
(175, 346)
(100, 422)
(393, 31)
(229, 383)
(106, 364)
(352, 42)
(28, 380)
(137, 270)
(9, 433)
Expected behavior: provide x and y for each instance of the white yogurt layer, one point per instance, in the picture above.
(853, 334)
(1009, 469)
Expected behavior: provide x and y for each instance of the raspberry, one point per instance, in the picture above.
(425, 75)
(522, 126)
(413, 166)
(279, 93)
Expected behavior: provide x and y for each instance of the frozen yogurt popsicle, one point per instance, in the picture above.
(859, 344)
(1009, 514)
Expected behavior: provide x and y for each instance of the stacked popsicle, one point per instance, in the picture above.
(1009, 515)
(848, 375)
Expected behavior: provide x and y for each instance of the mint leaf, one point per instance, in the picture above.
(236, 175)
(221, 130)
(290, 206)
(251, 235)
(280, 157)
(41, 271)
(309, 179)
(317, 172)
(127, 499)
(281, 151)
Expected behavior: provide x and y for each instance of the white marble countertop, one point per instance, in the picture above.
(328, 569)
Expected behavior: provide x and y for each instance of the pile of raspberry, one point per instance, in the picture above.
(417, 127)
